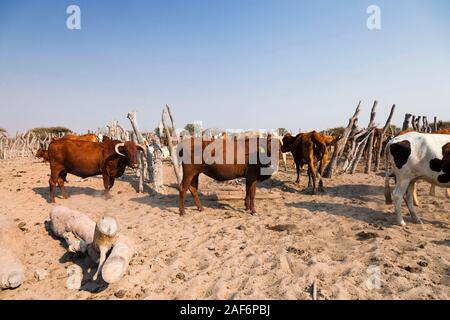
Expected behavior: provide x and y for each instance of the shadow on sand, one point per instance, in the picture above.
(72, 190)
(363, 214)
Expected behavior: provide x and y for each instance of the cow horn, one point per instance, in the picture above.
(116, 148)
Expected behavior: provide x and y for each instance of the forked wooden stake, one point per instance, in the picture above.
(104, 237)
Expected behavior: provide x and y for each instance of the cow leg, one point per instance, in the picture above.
(184, 186)
(410, 204)
(309, 180)
(61, 187)
(111, 182)
(433, 190)
(321, 169)
(247, 194)
(52, 186)
(311, 171)
(54, 177)
(297, 167)
(61, 179)
(106, 184)
(193, 188)
(399, 191)
(252, 191)
(414, 194)
(321, 189)
(447, 194)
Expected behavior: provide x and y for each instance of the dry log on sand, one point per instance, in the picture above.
(82, 234)
(116, 265)
(104, 237)
(12, 243)
(74, 227)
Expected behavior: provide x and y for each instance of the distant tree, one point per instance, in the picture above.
(445, 124)
(42, 132)
(282, 131)
(191, 128)
(338, 131)
(163, 133)
(395, 129)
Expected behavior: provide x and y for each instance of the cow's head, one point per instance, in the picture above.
(42, 152)
(331, 139)
(443, 164)
(287, 143)
(129, 150)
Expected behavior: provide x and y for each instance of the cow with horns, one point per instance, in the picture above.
(416, 156)
(86, 159)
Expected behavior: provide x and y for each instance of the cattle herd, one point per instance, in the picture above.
(411, 155)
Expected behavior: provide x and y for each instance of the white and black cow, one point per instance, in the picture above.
(416, 156)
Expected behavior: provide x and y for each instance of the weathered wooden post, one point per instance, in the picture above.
(371, 139)
(331, 167)
(383, 132)
(357, 152)
(172, 149)
(154, 167)
(407, 121)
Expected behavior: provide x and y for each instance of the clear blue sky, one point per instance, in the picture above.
(231, 64)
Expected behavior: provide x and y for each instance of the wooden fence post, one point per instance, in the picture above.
(383, 132)
(339, 149)
(172, 149)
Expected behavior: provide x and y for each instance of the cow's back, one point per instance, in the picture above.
(81, 158)
(232, 164)
(413, 152)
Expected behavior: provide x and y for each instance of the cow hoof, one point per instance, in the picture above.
(417, 220)
(201, 209)
(107, 196)
(66, 196)
(401, 223)
(182, 213)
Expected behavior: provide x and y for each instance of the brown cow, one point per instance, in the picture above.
(239, 166)
(86, 159)
(306, 148)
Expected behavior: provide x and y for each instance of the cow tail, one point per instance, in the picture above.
(387, 188)
(320, 144)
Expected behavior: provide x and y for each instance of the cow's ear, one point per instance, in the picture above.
(436, 165)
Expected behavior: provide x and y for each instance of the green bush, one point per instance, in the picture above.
(445, 125)
(41, 133)
(338, 131)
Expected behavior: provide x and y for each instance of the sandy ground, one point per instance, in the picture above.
(341, 240)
